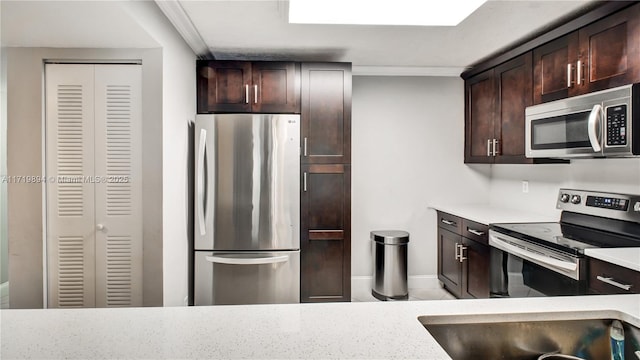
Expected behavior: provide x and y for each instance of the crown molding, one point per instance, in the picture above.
(363, 70)
(182, 22)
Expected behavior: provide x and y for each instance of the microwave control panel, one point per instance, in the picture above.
(617, 125)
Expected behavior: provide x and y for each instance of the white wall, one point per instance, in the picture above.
(613, 175)
(178, 109)
(407, 149)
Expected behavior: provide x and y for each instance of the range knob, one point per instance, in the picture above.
(564, 198)
(575, 199)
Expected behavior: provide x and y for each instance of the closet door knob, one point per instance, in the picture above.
(100, 227)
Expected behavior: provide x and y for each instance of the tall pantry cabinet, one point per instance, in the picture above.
(325, 243)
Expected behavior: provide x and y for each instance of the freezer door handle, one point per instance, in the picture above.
(247, 261)
(201, 201)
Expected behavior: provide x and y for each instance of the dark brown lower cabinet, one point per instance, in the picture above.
(325, 244)
(463, 257)
(475, 270)
(608, 279)
(449, 267)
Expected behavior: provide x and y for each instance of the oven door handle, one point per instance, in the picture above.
(528, 255)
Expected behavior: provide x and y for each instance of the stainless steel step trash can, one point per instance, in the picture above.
(390, 264)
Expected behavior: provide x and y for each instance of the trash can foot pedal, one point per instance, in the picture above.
(389, 298)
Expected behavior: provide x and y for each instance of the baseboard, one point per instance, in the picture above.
(413, 281)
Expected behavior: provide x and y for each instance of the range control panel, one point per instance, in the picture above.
(610, 205)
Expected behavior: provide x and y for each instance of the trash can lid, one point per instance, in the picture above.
(390, 237)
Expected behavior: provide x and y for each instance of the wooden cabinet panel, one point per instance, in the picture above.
(550, 69)
(449, 267)
(612, 273)
(223, 86)
(610, 51)
(475, 231)
(325, 244)
(276, 87)
(475, 270)
(450, 222)
(463, 256)
(599, 56)
(242, 86)
(480, 114)
(515, 93)
(326, 113)
(495, 113)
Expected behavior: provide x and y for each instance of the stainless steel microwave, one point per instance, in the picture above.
(599, 124)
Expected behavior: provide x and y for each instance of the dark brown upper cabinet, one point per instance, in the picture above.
(601, 55)
(244, 87)
(326, 113)
(494, 112)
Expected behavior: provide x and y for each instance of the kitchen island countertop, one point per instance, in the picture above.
(303, 331)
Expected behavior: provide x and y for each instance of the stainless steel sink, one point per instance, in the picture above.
(527, 336)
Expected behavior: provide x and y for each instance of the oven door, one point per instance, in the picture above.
(522, 269)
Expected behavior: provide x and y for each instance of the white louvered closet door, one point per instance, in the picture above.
(70, 205)
(113, 138)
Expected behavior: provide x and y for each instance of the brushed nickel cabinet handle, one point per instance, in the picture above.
(305, 146)
(304, 181)
(475, 232)
(457, 249)
(610, 281)
(246, 94)
(488, 147)
(255, 94)
(579, 72)
(447, 222)
(462, 257)
(568, 75)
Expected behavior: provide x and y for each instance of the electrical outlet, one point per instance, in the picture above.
(525, 186)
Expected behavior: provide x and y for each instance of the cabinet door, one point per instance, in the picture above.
(610, 51)
(326, 113)
(449, 267)
(515, 93)
(325, 243)
(608, 278)
(475, 270)
(275, 87)
(551, 76)
(480, 95)
(223, 86)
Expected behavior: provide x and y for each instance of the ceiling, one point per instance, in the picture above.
(242, 29)
(71, 24)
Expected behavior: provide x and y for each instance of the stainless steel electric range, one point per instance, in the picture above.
(547, 259)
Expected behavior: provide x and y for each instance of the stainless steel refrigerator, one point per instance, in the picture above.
(247, 209)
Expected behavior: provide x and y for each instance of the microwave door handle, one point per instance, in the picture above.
(200, 183)
(593, 126)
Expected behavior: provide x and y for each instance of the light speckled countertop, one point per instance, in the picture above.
(303, 331)
(489, 214)
(626, 257)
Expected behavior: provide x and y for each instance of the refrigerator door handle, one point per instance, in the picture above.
(247, 261)
(201, 192)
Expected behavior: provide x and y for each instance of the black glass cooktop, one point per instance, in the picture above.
(565, 237)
